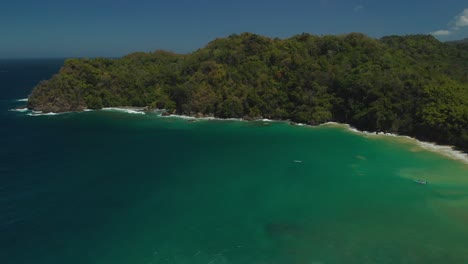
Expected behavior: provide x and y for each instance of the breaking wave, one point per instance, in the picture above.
(125, 110)
(22, 110)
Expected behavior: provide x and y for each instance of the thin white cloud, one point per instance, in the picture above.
(358, 8)
(459, 21)
(462, 19)
(441, 32)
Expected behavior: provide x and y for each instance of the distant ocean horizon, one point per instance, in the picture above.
(121, 186)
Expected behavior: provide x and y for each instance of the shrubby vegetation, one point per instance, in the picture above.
(413, 85)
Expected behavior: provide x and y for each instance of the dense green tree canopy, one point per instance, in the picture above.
(412, 85)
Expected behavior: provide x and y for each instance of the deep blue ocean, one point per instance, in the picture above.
(120, 186)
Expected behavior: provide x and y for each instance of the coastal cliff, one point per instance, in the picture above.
(411, 85)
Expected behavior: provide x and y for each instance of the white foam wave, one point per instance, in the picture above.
(125, 110)
(266, 120)
(19, 110)
(179, 116)
(192, 117)
(216, 118)
(448, 151)
(209, 118)
(22, 100)
(204, 118)
(39, 113)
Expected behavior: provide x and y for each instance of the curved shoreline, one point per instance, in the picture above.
(444, 150)
(447, 151)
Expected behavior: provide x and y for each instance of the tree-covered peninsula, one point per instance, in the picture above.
(412, 85)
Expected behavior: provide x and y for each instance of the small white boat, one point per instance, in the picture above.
(298, 161)
(420, 182)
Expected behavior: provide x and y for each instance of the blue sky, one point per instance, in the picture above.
(53, 28)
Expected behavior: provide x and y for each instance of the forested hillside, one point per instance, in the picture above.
(413, 85)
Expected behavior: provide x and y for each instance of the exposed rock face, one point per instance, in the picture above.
(46, 99)
(56, 104)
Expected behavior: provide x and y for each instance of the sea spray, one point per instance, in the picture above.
(38, 113)
(22, 110)
(129, 110)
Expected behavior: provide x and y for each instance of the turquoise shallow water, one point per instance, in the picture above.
(113, 187)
